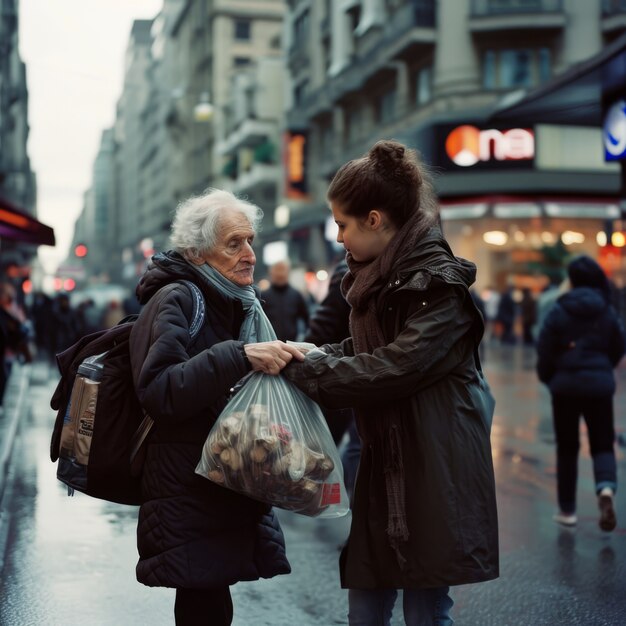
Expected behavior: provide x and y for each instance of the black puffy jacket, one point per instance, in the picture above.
(193, 533)
(580, 343)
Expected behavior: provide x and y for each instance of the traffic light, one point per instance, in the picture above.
(80, 250)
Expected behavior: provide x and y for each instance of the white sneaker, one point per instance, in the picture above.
(565, 519)
(608, 519)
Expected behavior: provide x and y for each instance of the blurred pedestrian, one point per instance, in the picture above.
(491, 300)
(41, 314)
(131, 305)
(528, 313)
(192, 534)
(330, 322)
(65, 325)
(547, 299)
(90, 317)
(424, 509)
(580, 343)
(505, 317)
(284, 305)
(113, 314)
(13, 335)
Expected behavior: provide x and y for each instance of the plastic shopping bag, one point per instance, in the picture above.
(271, 443)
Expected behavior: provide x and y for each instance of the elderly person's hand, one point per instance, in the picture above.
(271, 357)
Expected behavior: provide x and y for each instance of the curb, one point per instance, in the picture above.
(14, 403)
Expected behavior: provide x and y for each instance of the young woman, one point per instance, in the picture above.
(424, 510)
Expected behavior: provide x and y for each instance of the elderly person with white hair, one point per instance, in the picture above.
(194, 535)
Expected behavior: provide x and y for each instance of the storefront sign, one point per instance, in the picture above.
(614, 131)
(294, 158)
(467, 145)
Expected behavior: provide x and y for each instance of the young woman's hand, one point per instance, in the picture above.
(271, 357)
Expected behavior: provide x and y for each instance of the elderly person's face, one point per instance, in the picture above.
(232, 255)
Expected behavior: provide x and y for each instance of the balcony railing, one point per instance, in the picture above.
(249, 132)
(511, 7)
(613, 7)
(259, 175)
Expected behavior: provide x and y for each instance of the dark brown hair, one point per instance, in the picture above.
(389, 178)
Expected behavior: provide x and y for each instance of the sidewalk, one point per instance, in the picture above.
(15, 408)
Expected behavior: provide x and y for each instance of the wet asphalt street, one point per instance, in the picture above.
(71, 560)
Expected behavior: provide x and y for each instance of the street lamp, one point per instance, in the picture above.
(203, 111)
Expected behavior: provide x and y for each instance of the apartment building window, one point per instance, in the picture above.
(250, 102)
(327, 138)
(241, 61)
(610, 7)
(385, 107)
(355, 16)
(516, 67)
(243, 30)
(545, 65)
(228, 117)
(392, 5)
(301, 27)
(354, 123)
(275, 42)
(423, 85)
(299, 92)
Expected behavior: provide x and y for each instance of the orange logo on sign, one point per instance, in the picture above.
(467, 145)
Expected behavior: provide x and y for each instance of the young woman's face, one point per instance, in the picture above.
(365, 238)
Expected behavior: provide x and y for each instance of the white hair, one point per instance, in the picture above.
(196, 222)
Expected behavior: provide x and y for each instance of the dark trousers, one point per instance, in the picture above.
(203, 607)
(598, 415)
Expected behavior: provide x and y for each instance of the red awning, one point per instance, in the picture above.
(17, 225)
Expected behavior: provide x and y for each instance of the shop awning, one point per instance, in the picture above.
(18, 225)
(573, 97)
(509, 207)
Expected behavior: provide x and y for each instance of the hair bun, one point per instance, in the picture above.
(387, 154)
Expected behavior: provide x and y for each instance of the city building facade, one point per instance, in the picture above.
(95, 229)
(251, 144)
(17, 180)
(430, 74)
(175, 116)
(270, 98)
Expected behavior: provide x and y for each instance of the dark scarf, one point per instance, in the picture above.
(362, 287)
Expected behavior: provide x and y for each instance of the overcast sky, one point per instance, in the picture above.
(74, 55)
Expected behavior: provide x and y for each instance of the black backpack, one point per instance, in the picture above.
(100, 426)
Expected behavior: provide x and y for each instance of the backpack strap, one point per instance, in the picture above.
(137, 448)
(198, 311)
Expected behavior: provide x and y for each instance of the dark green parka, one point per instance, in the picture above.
(426, 373)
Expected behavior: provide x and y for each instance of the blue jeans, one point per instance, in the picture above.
(422, 607)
